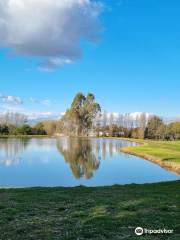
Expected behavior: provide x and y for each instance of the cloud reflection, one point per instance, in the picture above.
(11, 150)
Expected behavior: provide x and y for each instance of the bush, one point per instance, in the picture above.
(22, 130)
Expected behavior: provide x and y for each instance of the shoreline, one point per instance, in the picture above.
(24, 136)
(164, 163)
(120, 185)
(170, 166)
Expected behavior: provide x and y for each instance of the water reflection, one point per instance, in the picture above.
(11, 150)
(92, 162)
(84, 155)
(106, 148)
(78, 153)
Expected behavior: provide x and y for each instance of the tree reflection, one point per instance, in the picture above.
(11, 150)
(78, 153)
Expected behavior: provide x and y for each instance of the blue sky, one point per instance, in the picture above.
(133, 67)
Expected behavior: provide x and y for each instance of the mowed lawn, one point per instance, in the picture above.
(101, 213)
(163, 150)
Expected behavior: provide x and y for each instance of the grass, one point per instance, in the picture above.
(165, 153)
(25, 136)
(101, 213)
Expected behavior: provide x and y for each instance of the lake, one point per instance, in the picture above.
(74, 161)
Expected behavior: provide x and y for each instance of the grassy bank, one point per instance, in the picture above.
(164, 153)
(90, 213)
(25, 136)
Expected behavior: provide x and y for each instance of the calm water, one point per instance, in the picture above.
(72, 161)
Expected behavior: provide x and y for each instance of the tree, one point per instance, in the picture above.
(111, 124)
(104, 118)
(24, 130)
(78, 119)
(173, 130)
(38, 129)
(49, 127)
(4, 129)
(155, 128)
(142, 126)
(13, 118)
(12, 129)
(120, 120)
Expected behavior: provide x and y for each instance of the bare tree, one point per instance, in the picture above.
(104, 118)
(14, 118)
(142, 126)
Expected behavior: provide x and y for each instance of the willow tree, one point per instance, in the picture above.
(78, 119)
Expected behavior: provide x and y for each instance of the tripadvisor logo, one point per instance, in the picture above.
(140, 231)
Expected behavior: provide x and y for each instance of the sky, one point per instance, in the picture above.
(126, 52)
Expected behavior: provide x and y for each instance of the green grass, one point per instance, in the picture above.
(102, 213)
(164, 150)
(164, 153)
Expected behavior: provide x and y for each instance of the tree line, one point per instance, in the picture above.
(154, 128)
(84, 118)
(25, 129)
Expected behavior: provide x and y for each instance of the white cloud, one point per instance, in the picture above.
(30, 114)
(46, 102)
(10, 99)
(49, 29)
(33, 100)
(33, 115)
(53, 63)
(137, 115)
